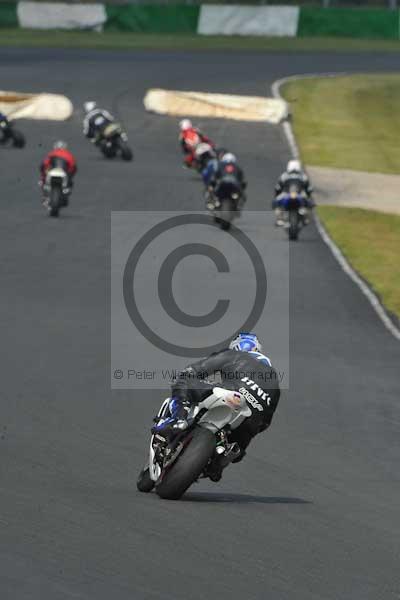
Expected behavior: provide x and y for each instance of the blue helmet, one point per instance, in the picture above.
(246, 342)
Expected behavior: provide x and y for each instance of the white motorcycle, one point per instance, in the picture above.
(56, 189)
(113, 140)
(173, 465)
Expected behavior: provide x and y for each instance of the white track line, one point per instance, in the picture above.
(345, 265)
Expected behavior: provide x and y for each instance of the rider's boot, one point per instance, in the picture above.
(209, 199)
(223, 460)
(279, 222)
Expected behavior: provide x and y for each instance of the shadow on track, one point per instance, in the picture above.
(241, 498)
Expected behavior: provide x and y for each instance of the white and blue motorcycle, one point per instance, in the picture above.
(174, 465)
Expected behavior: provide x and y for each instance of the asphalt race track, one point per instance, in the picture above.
(314, 510)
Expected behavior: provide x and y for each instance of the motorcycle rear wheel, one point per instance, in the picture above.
(55, 201)
(225, 214)
(109, 150)
(293, 230)
(188, 466)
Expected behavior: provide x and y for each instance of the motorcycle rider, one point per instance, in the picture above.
(208, 175)
(204, 154)
(294, 174)
(240, 369)
(4, 127)
(59, 151)
(209, 171)
(190, 137)
(227, 172)
(95, 121)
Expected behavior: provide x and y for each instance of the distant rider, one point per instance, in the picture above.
(60, 152)
(209, 171)
(95, 121)
(4, 125)
(294, 174)
(204, 154)
(3, 119)
(240, 369)
(228, 173)
(190, 137)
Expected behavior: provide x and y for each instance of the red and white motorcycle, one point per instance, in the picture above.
(56, 188)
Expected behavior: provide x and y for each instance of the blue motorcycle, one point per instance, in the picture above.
(293, 205)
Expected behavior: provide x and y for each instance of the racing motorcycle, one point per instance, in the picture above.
(114, 140)
(293, 207)
(56, 188)
(9, 133)
(225, 205)
(175, 464)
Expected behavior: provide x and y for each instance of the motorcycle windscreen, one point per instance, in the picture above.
(58, 163)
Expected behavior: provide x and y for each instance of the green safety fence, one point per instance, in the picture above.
(347, 22)
(182, 18)
(8, 14)
(152, 18)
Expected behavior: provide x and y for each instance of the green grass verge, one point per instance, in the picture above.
(130, 41)
(370, 241)
(350, 122)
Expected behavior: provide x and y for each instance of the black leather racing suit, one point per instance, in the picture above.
(238, 371)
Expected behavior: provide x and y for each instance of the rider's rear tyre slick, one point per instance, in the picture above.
(55, 201)
(18, 139)
(225, 214)
(225, 225)
(126, 152)
(189, 465)
(144, 483)
(293, 230)
(109, 150)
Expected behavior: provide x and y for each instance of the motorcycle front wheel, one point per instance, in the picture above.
(144, 482)
(189, 465)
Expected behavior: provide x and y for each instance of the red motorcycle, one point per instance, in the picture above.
(193, 144)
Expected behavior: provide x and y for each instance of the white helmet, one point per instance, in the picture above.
(185, 124)
(228, 158)
(293, 166)
(60, 145)
(89, 106)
